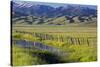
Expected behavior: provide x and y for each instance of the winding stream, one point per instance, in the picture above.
(40, 46)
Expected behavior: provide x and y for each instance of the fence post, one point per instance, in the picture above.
(72, 41)
(87, 41)
(78, 41)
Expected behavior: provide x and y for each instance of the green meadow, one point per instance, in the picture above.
(76, 43)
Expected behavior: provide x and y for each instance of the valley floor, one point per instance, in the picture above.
(77, 43)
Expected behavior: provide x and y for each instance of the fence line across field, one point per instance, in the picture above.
(60, 38)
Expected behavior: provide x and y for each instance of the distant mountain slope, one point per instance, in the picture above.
(31, 13)
(24, 8)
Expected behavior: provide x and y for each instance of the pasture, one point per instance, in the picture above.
(78, 43)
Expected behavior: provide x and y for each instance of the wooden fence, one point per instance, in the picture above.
(69, 40)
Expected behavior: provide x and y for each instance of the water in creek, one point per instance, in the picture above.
(40, 46)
